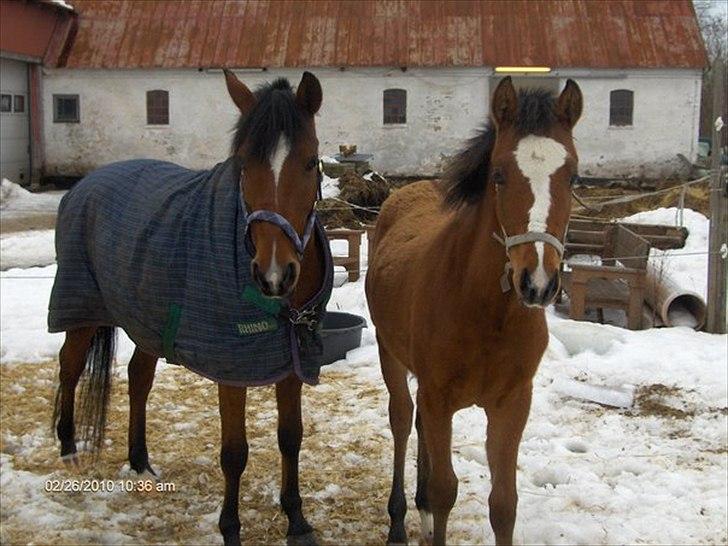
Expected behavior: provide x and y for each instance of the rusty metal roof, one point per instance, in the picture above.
(303, 33)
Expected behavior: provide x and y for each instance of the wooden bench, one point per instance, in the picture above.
(586, 235)
(352, 261)
(619, 283)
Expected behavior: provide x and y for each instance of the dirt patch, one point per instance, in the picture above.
(697, 197)
(660, 400)
(28, 222)
(345, 464)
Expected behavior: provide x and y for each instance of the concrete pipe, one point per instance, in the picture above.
(674, 305)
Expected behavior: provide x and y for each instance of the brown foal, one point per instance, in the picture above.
(457, 288)
(280, 175)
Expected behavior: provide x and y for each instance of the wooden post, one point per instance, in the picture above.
(717, 264)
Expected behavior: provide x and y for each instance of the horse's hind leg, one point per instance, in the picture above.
(72, 360)
(423, 475)
(400, 421)
(233, 458)
(505, 426)
(442, 484)
(290, 433)
(141, 376)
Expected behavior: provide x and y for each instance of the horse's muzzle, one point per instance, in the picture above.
(274, 284)
(534, 296)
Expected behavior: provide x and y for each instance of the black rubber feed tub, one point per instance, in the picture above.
(340, 332)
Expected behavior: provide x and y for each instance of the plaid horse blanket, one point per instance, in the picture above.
(159, 251)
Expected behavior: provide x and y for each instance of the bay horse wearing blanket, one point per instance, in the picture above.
(456, 288)
(226, 271)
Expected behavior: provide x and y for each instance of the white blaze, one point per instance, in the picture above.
(278, 157)
(538, 158)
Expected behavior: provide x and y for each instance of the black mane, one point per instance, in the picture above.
(275, 112)
(465, 177)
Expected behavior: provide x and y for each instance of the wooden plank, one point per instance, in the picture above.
(585, 236)
(718, 238)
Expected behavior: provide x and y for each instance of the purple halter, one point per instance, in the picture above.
(262, 215)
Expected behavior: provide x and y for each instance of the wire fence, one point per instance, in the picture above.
(667, 254)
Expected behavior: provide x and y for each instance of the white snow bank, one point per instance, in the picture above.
(24, 336)
(688, 269)
(16, 200)
(27, 249)
(329, 187)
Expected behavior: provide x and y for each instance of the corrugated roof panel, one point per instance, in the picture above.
(300, 33)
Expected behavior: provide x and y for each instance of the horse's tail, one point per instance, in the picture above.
(95, 389)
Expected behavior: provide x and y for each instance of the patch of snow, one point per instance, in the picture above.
(615, 396)
(328, 159)
(63, 4)
(688, 269)
(26, 249)
(16, 200)
(329, 187)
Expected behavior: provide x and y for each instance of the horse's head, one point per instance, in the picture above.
(276, 140)
(532, 166)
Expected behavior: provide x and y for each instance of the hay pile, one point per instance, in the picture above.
(367, 193)
(697, 197)
(335, 214)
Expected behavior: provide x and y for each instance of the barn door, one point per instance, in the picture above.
(14, 121)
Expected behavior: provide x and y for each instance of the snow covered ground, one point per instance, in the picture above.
(17, 201)
(655, 472)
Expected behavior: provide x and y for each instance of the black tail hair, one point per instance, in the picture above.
(93, 399)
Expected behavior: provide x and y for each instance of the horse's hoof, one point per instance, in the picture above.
(148, 474)
(306, 539)
(231, 540)
(397, 537)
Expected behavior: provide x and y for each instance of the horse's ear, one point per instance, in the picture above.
(569, 104)
(309, 94)
(505, 103)
(239, 92)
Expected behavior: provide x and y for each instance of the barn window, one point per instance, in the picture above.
(19, 103)
(66, 109)
(621, 104)
(395, 106)
(158, 107)
(6, 103)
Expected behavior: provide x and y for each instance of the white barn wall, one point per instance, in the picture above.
(444, 106)
(666, 121)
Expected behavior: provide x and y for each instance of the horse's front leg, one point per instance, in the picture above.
(141, 376)
(233, 458)
(290, 433)
(506, 421)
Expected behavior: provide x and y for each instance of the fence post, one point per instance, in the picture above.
(717, 263)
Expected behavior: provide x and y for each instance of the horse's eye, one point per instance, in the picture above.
(498, 177)
(312, 163)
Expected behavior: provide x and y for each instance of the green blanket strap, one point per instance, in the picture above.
(254, 296)
(170, 331)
